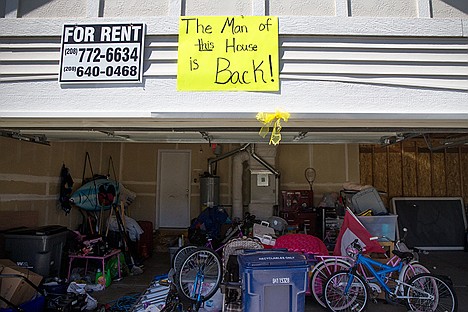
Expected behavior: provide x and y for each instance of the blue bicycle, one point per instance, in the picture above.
(349, 291)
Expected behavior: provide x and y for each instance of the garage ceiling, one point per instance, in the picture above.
(441, 134)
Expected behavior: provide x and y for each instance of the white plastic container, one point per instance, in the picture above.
(368, 199)
(381, 226)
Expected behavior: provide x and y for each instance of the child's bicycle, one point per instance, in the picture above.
(235, 231)
(196, 281)
(328, 265)
(349, 291)
(198, 270)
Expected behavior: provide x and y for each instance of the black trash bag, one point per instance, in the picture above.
(66, 185)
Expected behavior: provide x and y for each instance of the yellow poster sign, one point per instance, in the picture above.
(222, 53)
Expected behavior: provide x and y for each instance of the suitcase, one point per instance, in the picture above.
(145, 243)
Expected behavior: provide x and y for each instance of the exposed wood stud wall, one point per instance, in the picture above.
(410, 169)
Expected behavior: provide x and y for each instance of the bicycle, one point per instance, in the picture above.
(235, 231)
(199, 276)
(198, 270)
(328, 265)
(349, 291)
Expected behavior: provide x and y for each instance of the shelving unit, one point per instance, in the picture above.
(297, 208)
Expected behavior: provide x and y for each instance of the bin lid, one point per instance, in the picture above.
(39, 231)
(268, 258)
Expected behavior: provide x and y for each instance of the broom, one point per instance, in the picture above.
(135, 270)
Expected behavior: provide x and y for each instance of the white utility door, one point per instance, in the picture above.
(174, 188)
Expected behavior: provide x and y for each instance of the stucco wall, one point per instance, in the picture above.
(384, 8)
(450, 8)
(306, 7)
(209, 7)
(122, 8)
(355, 8)
(51, 8)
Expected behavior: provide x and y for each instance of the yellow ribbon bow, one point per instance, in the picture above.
(272, 120)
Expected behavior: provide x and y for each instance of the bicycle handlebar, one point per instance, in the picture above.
(397, 243)
(355, 244)
(401, 240)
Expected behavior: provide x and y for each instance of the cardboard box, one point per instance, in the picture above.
(16, 289)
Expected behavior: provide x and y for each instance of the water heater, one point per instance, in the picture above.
(209, 191)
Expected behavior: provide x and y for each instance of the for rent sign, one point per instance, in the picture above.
(102, 53)
(228, 53)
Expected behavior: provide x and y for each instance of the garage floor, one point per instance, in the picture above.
(452, 263)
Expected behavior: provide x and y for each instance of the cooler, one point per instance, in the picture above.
(40, 247)
(273, 281)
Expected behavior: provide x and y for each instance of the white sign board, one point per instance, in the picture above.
(94, 53)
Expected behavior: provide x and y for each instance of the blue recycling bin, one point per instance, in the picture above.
(273, 281)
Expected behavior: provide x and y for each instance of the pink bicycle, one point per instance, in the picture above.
(328, 265)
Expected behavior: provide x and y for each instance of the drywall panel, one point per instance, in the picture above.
(143, 208)
(292, 162)
(25, 189)
(145, 156)
(330, 156)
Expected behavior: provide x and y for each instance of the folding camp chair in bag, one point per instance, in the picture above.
(231, 285)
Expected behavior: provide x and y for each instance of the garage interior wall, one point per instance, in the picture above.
(29, 173)
(411, 169)
(30, 183)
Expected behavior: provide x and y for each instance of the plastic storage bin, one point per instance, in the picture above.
(368, 199)
(40, 247)
(381, 226)
(273, 281)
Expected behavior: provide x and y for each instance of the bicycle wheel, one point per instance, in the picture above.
(337, 298)
(411, 269)
(428, 292)
(321, 272)
(199, 275)
(180, 254)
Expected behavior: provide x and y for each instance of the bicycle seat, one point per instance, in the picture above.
(407, 256)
